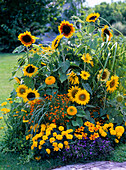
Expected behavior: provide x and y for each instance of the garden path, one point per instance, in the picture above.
(100, 165)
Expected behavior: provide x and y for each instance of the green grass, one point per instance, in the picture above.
(9, 160)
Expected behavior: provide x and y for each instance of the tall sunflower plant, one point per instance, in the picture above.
(81, 66)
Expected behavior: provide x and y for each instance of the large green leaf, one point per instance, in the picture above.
(64, 65)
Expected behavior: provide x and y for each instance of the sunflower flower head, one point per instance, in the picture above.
(72, 92)
(82, 97)
(71, 110)
(92, 17)
(73, 78)
(21, 90)
(103, 76)
(30, 70)
(26, 38)
(50, 80)
(87, 58)
(66, 29)
(56, 42)
(84, 75)
(112, 84)
(106, 33)
(31, 95)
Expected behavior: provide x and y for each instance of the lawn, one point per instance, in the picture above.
(9, 160)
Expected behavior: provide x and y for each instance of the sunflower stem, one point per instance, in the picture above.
(27, 55)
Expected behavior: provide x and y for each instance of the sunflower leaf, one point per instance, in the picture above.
(87, 87)
(64, 65)
(19, 49)
(28, 81)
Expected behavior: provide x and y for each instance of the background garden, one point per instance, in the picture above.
(40, 17)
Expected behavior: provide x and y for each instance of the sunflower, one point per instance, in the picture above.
(31, 95)
(71, 110)
(112, 84)
(84, 75)
(73, 78)
(50, 80)
(17, 79)
(103, 76)
(30, 70)
(106, 32)
(86, 58)
(92, 17)
(21, 90)
(26, 38)
(72, 92)
(66, 29)
(82, 97)
(56, 42)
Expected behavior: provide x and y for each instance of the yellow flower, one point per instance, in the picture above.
(112, 132)
(73, 78)
(92, 17)
(52, 125)
(52, 140)
(38, 158)
(30, 70)
(106, 33)
(1, 128)
(21, 90)
(32, 147)
(87, 123)
(35, 143)
(4, 103)
(84, 75)
(25, 121)
(10, 102)
(5, 110)
(45, 137)
(61, 128)
(48, 151)
(86, 58)
(71, 110)
(66, 29)
(31, 95)
(1, 118)
(69, 130)
(54, 134)
(119, 129)
(50, 80)
(82, 97)
(26, 38)
(60, 145)
(118, 134)
(41, 142)
(68, 136)
(112, 84)
(91, 129)
(66, 143)
(56, 42)
(59, 137)
(104, 134)
(56, 149)
(116, 141)
(72, 92)
(103, 76)
(18, 80)
(54, 144)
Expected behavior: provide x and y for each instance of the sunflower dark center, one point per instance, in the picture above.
(92, 18)
(31, 96)
(22, 90)
(74, 92)
(104, 75)
(112, 83)
(26, 38)
(82, 97)
(106, 31)
(56, 42)
(66, 29)
(84, 75)
(30, 69)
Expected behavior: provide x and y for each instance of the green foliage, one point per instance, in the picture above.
(19, 16)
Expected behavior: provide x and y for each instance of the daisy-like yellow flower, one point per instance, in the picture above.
(86, 58)
(38, 158)
(72, 92)
(4, 103)
(56, 42)
(71, 110)
(48, 151)
(106, 32)
(112, 84)
(30, 70)
(105, 76)
(66, 29)
(73, 78)
(82, 97)
(31, 95)
(50, 80)
(119, 129)
(84, 75)
(92, 17)
(26, 38)
(21, 90)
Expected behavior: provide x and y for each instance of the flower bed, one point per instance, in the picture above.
(69, 102)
